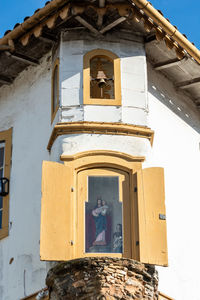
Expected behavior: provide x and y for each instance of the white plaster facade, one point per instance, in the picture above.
(25, 106)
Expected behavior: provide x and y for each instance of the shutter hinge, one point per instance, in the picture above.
(162, 217)
(135, 189)
(72, 189)
(137, 243)
(72, 243)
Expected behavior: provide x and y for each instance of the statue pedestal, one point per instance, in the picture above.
(102, 278)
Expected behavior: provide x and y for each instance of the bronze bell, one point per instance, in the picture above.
(101, 77)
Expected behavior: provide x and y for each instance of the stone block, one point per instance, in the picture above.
(134, 98)
(134, 82)
(134, 116)
(70, 97)
(102, 113)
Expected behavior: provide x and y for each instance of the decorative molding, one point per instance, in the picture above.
(100, 128)
(96, 153)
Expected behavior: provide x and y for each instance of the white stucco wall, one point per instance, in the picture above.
(177, 149)
(25, 106)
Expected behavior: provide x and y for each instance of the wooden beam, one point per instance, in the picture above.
(48, 38)
(23, 58)
(187, 84)
(113, 24)
(5, 47)
(169, 63)
(86, 24)
(5, 80)
(150, 38)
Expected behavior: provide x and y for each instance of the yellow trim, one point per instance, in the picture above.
(6, 136)
(82, 196)
(53, 112)
(100, 128)
(86, 78)
(121, 155)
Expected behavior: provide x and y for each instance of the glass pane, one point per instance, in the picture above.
(1, 155)
(102, 78)
(103, 216)
(1, 202)
(1, 212)
(55, 88)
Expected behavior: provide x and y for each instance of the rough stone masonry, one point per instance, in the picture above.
(102, 278)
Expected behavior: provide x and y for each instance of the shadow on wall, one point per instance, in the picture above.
(189, 116)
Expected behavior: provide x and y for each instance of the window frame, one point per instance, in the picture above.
(127, 218)
(54, 111)
(6, 137)
(86, 78)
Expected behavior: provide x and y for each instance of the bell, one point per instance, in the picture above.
(101, 83)
(101, 77)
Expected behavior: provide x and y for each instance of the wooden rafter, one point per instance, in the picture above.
(113, 24)
(169, 63)
(48, 38)
(86, 24)
(187, 84)
(23, 58)
(5, 80)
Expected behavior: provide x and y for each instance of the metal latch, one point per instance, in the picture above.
(162, 217)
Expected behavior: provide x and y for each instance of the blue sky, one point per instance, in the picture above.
(179, 12)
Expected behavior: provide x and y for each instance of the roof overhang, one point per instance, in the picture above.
(132, 20)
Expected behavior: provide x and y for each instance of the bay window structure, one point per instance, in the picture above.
(5, 162)
(102, 203)
(101, 78)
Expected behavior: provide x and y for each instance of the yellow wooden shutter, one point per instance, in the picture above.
(151, 214)
(56, 213)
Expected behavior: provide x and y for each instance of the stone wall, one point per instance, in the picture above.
(102, 278)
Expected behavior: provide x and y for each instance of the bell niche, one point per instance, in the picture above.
(101, 78)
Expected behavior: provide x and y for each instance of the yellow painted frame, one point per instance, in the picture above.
(100, 128)
(82, 176)
(110, 160)
(6, 137)
(86, 78)
(53, 112)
